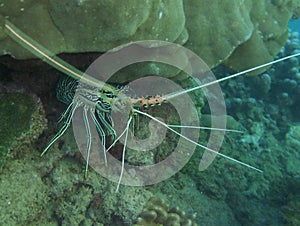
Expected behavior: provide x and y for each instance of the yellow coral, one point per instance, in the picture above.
(157, 213)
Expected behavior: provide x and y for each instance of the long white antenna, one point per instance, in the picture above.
(175, 94)
(206, 128)
(199, 145)
(123, 155)
(44, 54)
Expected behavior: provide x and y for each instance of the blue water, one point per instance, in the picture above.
(294, 25)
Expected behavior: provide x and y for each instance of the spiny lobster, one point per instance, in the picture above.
(97, 98)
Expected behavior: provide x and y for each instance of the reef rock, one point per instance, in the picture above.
(22, 121)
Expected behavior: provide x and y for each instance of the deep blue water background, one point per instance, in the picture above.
(295, 25)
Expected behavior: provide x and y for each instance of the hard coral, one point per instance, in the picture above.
(92, 26)
(239, 34)
(269, 35)
(157, 212)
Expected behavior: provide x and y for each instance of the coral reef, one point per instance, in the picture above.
(182, 191)
(291, 213)
(22, 121)
(24, 197)
(61, 20)
(271, 97)
(72, 209)
(240, 34)
(51, 190)
(157, 212)
(268, 36)
(217, 28)
(286, 77)
(270, 141)
(123, 207)
(76, 200)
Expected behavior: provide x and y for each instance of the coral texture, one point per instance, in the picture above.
(239, 33)
(157, 212)
(22, 120)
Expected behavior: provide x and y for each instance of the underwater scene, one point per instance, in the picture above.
(150, 112)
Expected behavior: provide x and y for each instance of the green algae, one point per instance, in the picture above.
(16, 111)
(291, 213)
(23, 195)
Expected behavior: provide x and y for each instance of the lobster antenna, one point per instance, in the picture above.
(175, 94)
(44, 54)
(123, 154)
(206, 128)
(197, 144)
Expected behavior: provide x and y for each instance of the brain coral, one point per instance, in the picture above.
(157, 213)
(239, 33)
